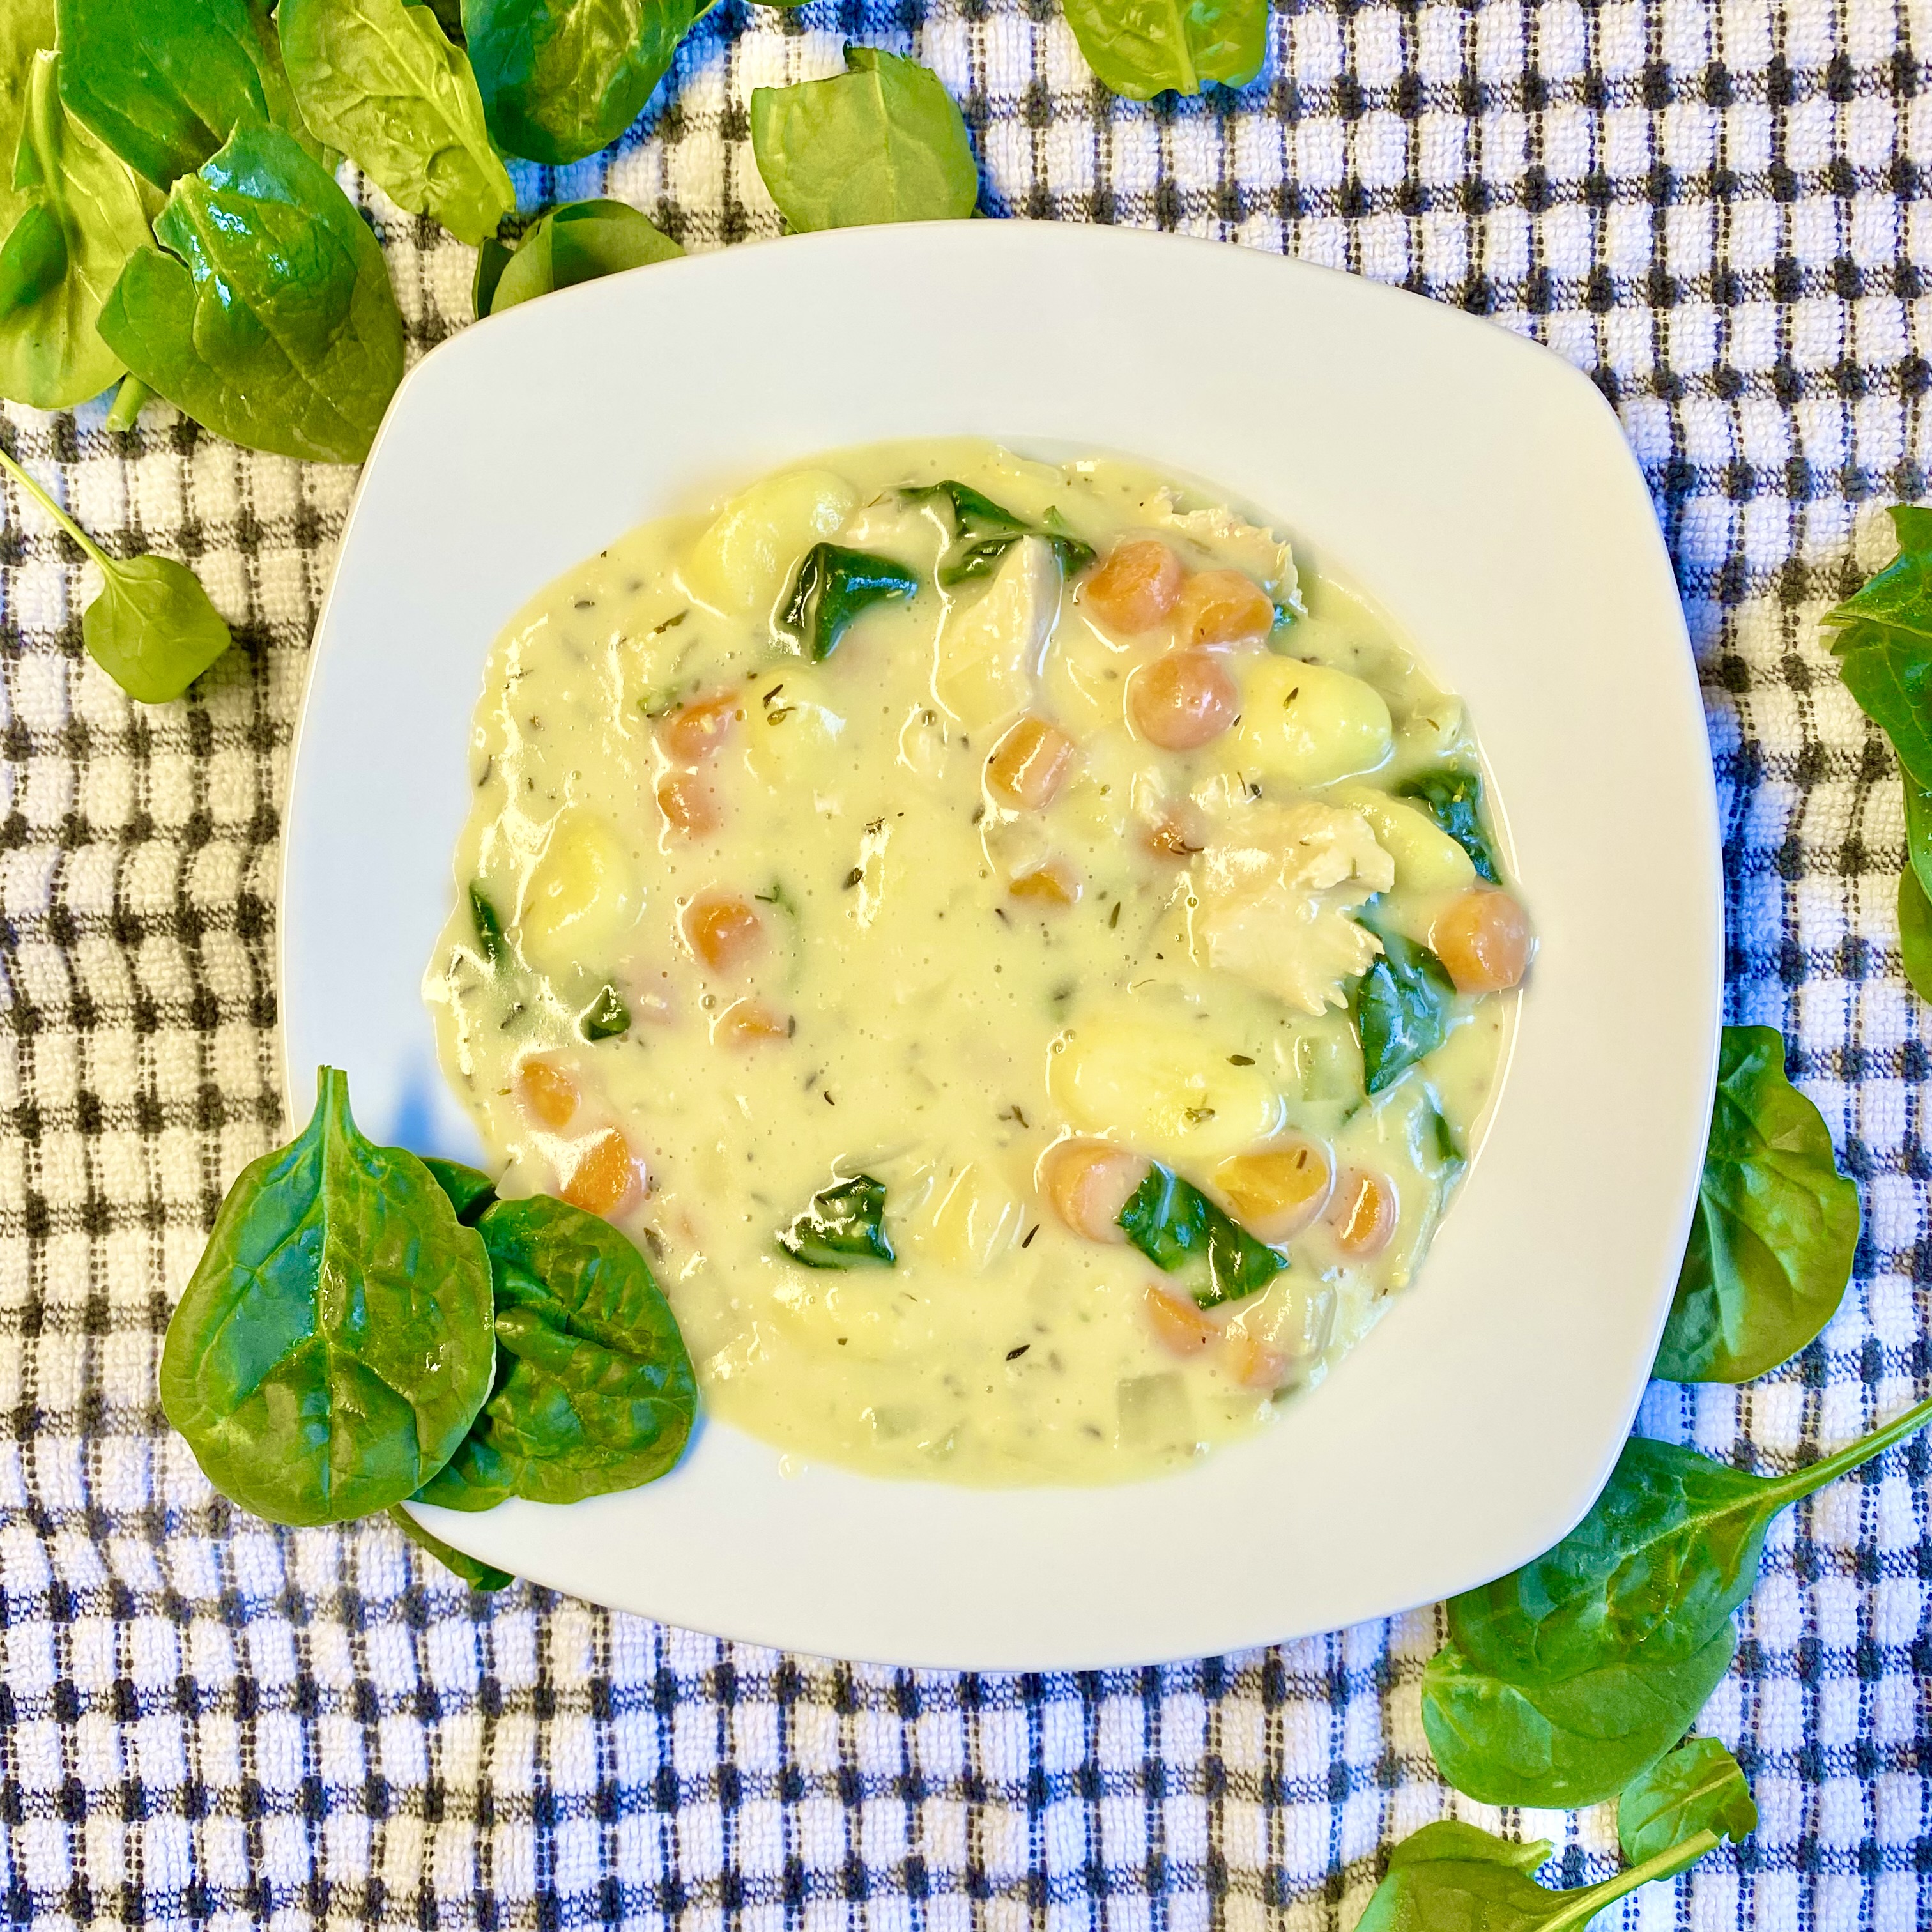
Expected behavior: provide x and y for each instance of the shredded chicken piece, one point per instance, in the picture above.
(1276, 886)
(1233, 540)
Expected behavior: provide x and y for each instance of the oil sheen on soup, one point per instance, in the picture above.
(1028, 970)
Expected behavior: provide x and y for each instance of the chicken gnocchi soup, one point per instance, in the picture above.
(1029, 966)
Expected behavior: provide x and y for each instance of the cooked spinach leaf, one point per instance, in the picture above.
(882, 142)
(561, 79)
(488, 923)
(982, 532)
(85, 215)
(1141, 48)
(1699, 1787)
(334, 1345)
(272, 322)
(151, 628)
(1453, 796)
(478, 1574)
(379, 80)
(832, 586)
(1914, 932)
(1777, 1225)
(469, 1189)
(1400, 1006)
(606, 1017)
(594, 1391)
(841, 1226)
(1558, 1678)
(166, 82)
(577, 242)
(1177, 1227)
(1451, 1877)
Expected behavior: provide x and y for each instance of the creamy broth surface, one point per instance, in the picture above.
(737, 928)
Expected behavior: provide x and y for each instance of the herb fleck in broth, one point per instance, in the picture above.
(849, 984)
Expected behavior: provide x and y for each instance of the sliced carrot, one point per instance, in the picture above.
(548, 1092)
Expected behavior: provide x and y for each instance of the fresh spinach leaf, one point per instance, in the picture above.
(26, 28)
(151, 627)
(1918, 831)
(1699, 1787)
(166, 82)
(469, 1189)
(832, 586)
(379, 80)
(1177, 1227)
(606, 1017)
(1777, 1225)
(882, 142)
(561, 79)
(1914, 932)
(449, 17)
(493, 257)
(577, 242)
(488, 923)
(334, 1345)
(272, 322)
(594, 1391)
(1881, 636)
(982, 532)
(841, 1226)
(478, 1574)
(1567, 1743)
(1400, 1006)
(1442, 1879)
(86, 215)
(1141, 48)
(1452, 796)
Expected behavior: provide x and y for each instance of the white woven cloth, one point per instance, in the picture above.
(1719, 210)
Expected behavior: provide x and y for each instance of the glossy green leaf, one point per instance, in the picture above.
(1915, 933)
(561, 79)
(833, 586)
(272, 322)
(882, 142)
(1562, 1744)
(488, 923)
(1882, 636)
(1451, 1877)
(86, 213)
(1453, 796)
(1918, 831)
(980, 533)
(1699, 1787)
(478, 1574)
(379, 80)
(1777, 1225)
(26, 28)
(150, 626)
(1180, 1230)
(1141, 48)
(594, 1391)
(1400, 1006)
(166, 82)
(334, 1345)
(578, 242)
(606, 1017)
(841, 1226)
(470, 1190)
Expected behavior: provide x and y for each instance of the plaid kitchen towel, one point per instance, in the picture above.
(1718, 209)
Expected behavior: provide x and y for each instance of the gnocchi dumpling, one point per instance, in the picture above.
(989, 651)
(580, 896)
(1308, 725)
(1426, 859)
(1165, 1086)
(741, 564)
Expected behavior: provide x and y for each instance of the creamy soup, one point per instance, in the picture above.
(1027, 966)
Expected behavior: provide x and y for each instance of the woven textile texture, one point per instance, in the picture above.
(1716, 207)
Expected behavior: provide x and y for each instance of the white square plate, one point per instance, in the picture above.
(1477, 487)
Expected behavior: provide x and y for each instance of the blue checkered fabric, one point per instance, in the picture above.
(1718, 210)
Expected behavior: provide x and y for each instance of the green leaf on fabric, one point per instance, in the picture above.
(1914, 932)
(594, 1391)
(1776, 1229)
(333, 1344)
(26, 28)
(1400, 1006)
(561, 79)
(1179, 1229)
(379, 80)
(1881, 636)
(166, 82)
(86, 212)
(578, 242)
(472, 1570)
(1141, 48)
(1918, 831)
(841, 1226)
(1699, 1787)
(272, 320)
(832, 587)
(469, 1189)
(1452, 796)
(882, 142)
